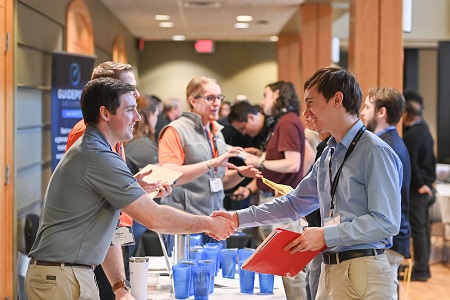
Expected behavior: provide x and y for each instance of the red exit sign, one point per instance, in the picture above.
(204, 46)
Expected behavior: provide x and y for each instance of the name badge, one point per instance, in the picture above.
(333, 221)
(216, 185)
(123, 236)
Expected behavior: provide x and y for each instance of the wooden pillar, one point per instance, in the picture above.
(315, 37)
(7, 212)
(376, 44)
(300, 55)
(288, 58)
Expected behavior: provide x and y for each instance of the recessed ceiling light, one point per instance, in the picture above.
(166, 24)
(244, 18)
(241, 25)
(273, 38)
(178, 37)
(162, 17)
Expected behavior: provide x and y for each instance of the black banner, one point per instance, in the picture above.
(70, 73)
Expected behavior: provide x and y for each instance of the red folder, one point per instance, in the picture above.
(270, 258)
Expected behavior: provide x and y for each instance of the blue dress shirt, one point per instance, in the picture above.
(367, 197)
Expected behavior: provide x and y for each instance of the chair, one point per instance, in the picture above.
(404, 272)
(22, 267)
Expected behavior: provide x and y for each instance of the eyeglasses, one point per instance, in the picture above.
(211, 98)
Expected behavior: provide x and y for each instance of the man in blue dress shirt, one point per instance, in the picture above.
(355, 183)
(382, 110)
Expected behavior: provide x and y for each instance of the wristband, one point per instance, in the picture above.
(261, 164)
(209, 167)
(240, 175)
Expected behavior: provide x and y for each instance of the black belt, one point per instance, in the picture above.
(55, 264)
(333, 258)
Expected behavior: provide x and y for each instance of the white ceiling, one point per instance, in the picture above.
(204, 19)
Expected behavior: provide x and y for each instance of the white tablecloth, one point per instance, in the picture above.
(443, 200)
(223, 289)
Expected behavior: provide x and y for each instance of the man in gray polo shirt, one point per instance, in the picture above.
(84, 196)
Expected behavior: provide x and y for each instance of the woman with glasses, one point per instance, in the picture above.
(194, 145)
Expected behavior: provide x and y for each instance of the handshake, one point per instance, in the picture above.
(222, 224)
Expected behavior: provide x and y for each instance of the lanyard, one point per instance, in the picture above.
(214, 150)
(335, 182)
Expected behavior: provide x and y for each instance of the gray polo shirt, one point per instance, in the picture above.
(82, 203)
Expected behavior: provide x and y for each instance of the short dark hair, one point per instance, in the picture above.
(239, 111)
(111, 69)
(414, 103)
(413, 96)
(389, 98)
(287, 99)
(330, 80)
(102, 92)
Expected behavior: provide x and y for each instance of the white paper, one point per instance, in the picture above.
(159, 173)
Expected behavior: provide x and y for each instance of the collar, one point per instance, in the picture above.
(197, 122)
(94, 132)
(348, 138)
(380, 133)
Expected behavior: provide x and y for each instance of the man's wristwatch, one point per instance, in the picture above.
(122, 284)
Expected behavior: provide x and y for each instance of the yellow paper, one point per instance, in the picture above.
(282, 189)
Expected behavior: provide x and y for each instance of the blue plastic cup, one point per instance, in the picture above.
(202, 280)
(181, 280)
(191, 263)
(196, 253)
(218, 246)
(228, 262)
(244, 253)
(266, 283)
(212, 254)
(211, 265)
(195, 240)
(246, 280)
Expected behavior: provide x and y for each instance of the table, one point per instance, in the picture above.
(162, 291)
(443, 200)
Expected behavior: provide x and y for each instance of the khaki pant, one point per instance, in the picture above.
(60, 282)
(395, 259)
(368, 277)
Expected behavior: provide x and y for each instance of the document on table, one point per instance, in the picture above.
(159, 173)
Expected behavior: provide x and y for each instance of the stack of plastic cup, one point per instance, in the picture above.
(181, 280)
(246, 280)
(266, 283)
(195, 240)
(196, 253)
(201, 277)
(228, 262)
(213, 253)
(191, 263)
(211, 265)
(208, 247)
(244, 253)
